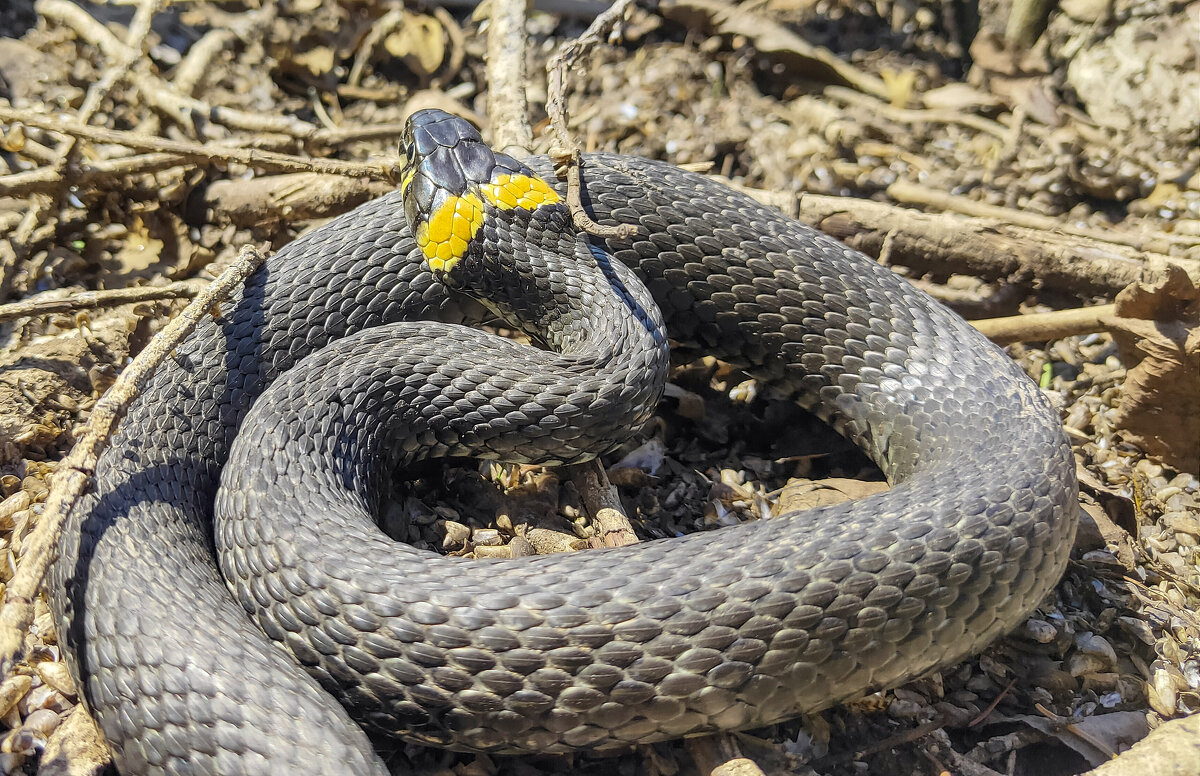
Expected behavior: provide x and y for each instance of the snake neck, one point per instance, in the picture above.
(537, 273)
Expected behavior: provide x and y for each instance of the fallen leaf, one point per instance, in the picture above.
(900, 85)
(318, 60)
(1096, 738)
(140, 250)
(799, 495)
(771, 40)
(420, 42)
(1157, 329)
(959, 96)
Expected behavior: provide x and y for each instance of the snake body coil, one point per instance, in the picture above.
(723, 630)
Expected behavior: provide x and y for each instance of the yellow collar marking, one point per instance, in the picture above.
(518, 191)
(445, 236)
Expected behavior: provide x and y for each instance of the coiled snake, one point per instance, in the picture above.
(350, 326)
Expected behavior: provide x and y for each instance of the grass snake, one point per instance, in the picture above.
(344, 357)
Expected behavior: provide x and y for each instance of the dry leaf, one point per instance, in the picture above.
(1107, 520)
(959, 96)
(1114, 732)
(1158, 331)
(318, 60)
(900, 85)
(420, 42)
(799, 495)
(140, 250)
(770, 39)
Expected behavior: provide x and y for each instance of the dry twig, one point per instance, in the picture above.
(47, 180)
(568, 58)
(945, 243)
(601, 501)
(291, 197)
(1039, 327)
(75, 472)
(921, 116)
(196, 152)
(719, 755)
(53, 301)
(916, 194)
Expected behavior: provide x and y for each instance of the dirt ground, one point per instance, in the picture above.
(1009, 158)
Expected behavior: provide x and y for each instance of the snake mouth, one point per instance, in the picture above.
(452, 183)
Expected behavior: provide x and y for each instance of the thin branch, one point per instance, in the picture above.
(914, 116)
(566, 148)
(945, 243)
(1036, 327)
(293, 196)
(719, 755)
(197, 152)
(916, 194)
(45, 180)
(75, 473)
(52, 302)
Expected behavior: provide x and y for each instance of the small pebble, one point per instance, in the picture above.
(457, 534)
(1098, 647)
(899, 709)
(1039, 630)
(12, 690)
(41, 723)
(58, 676)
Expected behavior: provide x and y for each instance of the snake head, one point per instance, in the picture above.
(452, 182)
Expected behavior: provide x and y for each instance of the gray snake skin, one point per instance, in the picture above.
(598, 650)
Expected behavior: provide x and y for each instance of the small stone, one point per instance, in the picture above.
(35, 487)
(14, 689)
(1039, 630)
(9, 484)
(10, 507)
(547, 541)
(899, 709)
(521, 548)
(1097, 647)
(58, 676)
(488, 537)
(457, 534)
(1180, 522)
(41, 723)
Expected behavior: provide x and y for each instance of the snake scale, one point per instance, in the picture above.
(355, 328)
